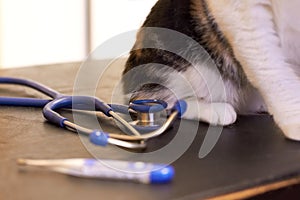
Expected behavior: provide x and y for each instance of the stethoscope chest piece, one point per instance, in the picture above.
(148, 114)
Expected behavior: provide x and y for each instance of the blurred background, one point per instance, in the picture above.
(40, 32)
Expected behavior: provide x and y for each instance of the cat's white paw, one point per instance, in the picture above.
(219, 114)
(289, 123)
(292, 131)
(213, 113)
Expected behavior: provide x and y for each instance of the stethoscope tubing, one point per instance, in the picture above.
(32, 84)
(97, 137)
(23, 102)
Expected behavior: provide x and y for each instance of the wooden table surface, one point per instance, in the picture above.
(249, 154)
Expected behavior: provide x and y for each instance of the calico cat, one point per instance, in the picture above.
(254, 44)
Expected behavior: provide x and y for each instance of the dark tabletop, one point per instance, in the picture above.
(250, 153)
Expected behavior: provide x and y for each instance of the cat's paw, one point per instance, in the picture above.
(213, 113)
(219, 114)
(289, 123)
(292, 131)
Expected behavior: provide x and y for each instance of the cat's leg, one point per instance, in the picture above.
(250, 28)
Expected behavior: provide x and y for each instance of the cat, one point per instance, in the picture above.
(254, 44)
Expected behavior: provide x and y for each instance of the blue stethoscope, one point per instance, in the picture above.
(145, 111)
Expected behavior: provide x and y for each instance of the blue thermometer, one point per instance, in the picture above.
(141, 172)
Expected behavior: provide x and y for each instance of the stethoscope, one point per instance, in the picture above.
(145, 111)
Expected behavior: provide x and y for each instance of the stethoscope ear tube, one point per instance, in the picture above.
(52, 116)
(74, 102)
(97, 137)
(101, 138)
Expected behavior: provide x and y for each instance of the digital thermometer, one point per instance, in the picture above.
(142, 172)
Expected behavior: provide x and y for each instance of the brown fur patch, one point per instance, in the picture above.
(215, 42)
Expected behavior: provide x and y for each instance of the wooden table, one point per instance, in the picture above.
(251, 156)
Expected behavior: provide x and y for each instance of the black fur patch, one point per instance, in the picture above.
(192, 18)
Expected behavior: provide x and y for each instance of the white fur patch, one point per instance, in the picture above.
(268, 49)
